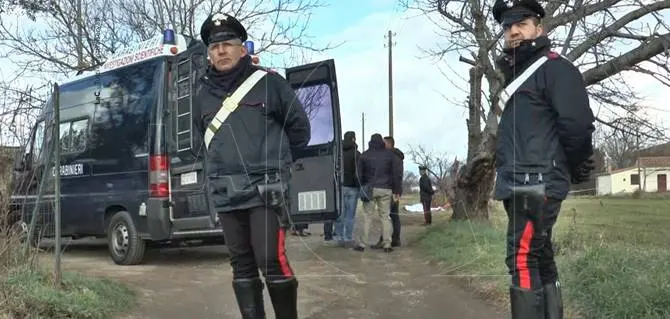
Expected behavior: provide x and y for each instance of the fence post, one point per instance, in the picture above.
(57, 216)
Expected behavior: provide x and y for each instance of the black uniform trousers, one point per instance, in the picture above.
(427, 213)
(255, 241)
(530, 254)
(395, 221)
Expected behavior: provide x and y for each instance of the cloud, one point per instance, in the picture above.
(422, 115)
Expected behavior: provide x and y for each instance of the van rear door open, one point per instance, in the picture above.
(190, 209)
(315, 190)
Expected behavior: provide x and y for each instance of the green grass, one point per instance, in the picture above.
(31, 294)
(612, 256)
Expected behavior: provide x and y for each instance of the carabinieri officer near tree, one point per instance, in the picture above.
(543, 143)
(251, 121)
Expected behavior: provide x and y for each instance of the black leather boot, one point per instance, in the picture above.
(284, 296)
(553, 301)
(249, 294)
(527, 304)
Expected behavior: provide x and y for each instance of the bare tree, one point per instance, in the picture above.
(591, 33)
(410, 179)
(278, 27)
(315, 99)
(69, 36)
(19, 106)
(621, 143)
(440, 168)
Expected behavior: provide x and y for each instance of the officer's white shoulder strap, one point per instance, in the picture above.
(230, 104)
(512, 87)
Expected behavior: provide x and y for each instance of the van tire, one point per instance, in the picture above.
(123, 241)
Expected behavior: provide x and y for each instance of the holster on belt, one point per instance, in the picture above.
(274, 192)
(529, 198)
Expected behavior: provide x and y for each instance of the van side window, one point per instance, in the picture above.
(317, 102)
(121, 123)
(74, 136)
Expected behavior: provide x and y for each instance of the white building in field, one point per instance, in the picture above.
(649, 174)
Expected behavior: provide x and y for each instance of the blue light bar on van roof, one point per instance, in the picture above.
(168, 37)
(250, 47)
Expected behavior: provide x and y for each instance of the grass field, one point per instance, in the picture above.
(31, 294)
(612, 255)
(27, 289)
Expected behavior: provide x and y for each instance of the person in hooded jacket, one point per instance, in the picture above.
(344, 227)
(380, 171)
(247, 163)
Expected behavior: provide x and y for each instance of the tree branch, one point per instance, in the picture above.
(643, 52)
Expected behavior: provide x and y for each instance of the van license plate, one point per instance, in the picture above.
(189, 178)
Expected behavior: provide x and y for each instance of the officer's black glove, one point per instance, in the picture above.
(582, 172)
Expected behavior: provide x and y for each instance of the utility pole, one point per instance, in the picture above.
(390, 47)
(363, 132)
(80, 45)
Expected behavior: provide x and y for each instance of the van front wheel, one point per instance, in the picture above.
(124, 243)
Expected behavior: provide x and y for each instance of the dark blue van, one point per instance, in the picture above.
(131, 168)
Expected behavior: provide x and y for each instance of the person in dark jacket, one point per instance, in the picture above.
(344, 226)
(380, 172)
(426, 194)
(247, 161)
(389, 141)
(543, 143)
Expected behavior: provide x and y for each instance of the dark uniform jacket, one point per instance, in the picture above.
(426, 190)
(256, 139)
(546, 125)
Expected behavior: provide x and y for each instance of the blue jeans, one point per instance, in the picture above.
(344, 226)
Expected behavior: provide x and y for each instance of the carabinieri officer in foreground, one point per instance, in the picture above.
(251, 121)
(544, 143)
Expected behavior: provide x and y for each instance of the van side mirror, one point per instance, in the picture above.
(19, 164)
(22, 163)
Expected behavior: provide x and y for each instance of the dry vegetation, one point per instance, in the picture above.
(27, 289)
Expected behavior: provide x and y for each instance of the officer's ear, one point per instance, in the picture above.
(539, 28)
(244, 50)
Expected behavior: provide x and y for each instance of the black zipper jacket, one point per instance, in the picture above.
(546, 127)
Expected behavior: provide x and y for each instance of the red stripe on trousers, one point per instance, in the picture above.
(281, 251)
(522, 256)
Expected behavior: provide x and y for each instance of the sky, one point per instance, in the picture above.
(422, 114)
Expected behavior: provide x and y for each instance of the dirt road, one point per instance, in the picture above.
(334, 282)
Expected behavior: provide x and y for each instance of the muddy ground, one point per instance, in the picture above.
(334, 282)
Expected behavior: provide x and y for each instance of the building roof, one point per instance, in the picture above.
(644, 162)
(654, 161)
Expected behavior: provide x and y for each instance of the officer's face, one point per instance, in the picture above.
(527, 29)
(225, 55)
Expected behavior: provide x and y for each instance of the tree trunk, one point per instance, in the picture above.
(474, 181)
